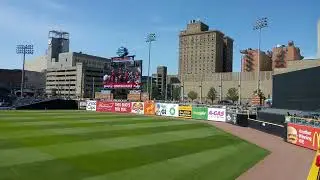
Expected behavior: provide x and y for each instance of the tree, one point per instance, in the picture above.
(232, 94)
(212, 94)
(192, 95)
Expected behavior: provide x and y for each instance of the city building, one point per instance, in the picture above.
(38, 64)
(250, 60)
(227, 54)
(72, 74)
(282, 54)
(75, 75)
(161, 80)
(203, 51)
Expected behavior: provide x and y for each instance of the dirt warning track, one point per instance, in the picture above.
(286, 161)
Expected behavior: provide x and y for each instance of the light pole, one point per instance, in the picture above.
(239, 98)
(23, 49)
(259, 25)
(150, 38)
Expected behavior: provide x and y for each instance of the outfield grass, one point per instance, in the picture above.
(69, 145)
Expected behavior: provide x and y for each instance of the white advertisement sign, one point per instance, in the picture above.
(91, 105)
(161, 109)
(137, 107)
(217, 114)
(172, 110)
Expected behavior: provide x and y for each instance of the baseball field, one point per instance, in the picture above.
(79, 145)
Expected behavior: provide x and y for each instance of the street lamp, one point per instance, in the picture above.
(259, 25)
(150, 38)
(23, 49)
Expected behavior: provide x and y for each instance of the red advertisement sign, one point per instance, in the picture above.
(105, 106)
(123, 107)
(305, 136)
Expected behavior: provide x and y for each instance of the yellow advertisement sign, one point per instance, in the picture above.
(185, 112)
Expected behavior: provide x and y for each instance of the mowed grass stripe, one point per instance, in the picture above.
(64, 118)
(10, 157)
(228, 167)
(79, 124)
(117, 160)
(80, 130)
(175, 168)
(56, 139)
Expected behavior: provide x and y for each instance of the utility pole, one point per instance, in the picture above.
(23, 49)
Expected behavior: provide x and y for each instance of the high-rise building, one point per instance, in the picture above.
(227, 54)
(58, 42)
(250, 60)
(318, 38)
(282, 54)
(161, 80)
(203, 51)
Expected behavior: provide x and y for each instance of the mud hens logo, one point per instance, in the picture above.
(138, 107)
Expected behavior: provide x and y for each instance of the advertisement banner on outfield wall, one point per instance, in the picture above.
(172, 110)
(105, 106)
(302, 135)
(161, 109)
(185, 112)
(137, 107)
(200, 113)
(217, 114)
(91, 105)
(82, 105)
(122, 107)
(149, 108)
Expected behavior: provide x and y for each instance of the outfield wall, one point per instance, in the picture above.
(184, 111)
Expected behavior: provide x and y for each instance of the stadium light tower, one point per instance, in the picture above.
(150, 38)
(259, 25)
(24, 49)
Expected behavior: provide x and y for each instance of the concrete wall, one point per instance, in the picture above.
(229, 80)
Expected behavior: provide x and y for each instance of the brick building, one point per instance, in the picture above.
(282, 54)
(250, 60)
(203, 51)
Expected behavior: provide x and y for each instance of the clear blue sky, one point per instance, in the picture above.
(99, 27)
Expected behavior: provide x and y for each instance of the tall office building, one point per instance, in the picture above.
(161, 80)
(203, 51)
(58, 42)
